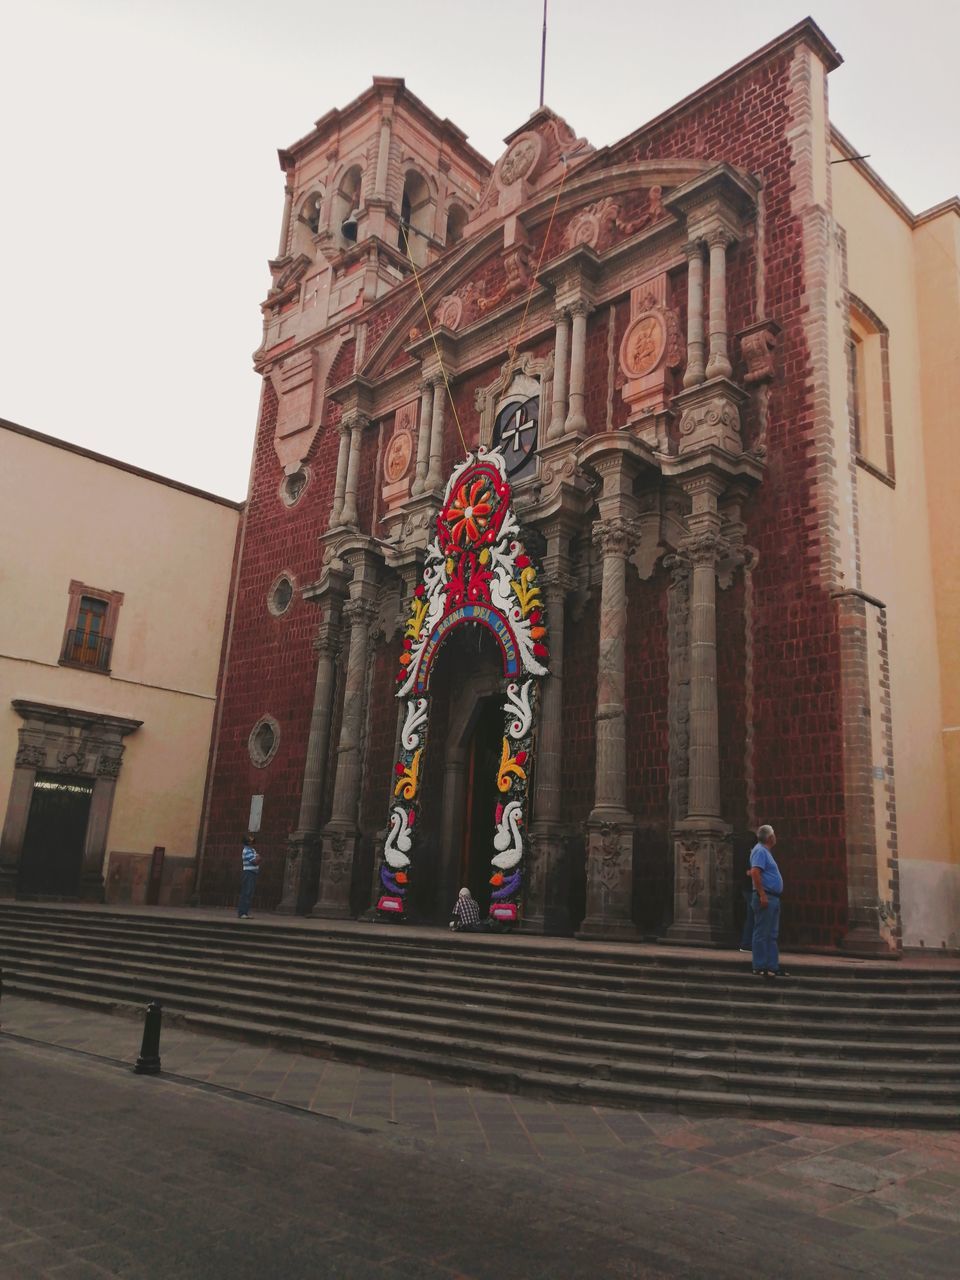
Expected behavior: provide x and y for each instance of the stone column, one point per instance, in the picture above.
(434, 478)
(349, 513)
(694, 373)
(704, 801)
(561, 347)
(15, 823)
(383, 158)
(546, 893)
(703, 891)
(718, 366)
(303, 848)
(423, 438)
(340, 484)
(285, 224)
(95, 845)
(610, 825)
(576, 418)
(340, 836)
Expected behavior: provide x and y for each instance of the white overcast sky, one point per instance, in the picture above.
(141, 195)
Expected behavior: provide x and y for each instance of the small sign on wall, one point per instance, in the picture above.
(256, 814)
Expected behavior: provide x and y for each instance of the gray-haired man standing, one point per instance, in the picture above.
(767, 888)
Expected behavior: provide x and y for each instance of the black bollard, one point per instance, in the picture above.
(148, 1064)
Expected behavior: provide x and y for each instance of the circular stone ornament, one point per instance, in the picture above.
(643, 345)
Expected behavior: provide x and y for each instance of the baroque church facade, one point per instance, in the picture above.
(553, 577)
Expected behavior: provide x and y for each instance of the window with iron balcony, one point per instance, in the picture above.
(91, 627)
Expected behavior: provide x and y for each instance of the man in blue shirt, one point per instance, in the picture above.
(250, 869)
(767, 888)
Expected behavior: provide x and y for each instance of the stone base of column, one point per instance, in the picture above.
(609, 878)
(338, 848)
(546, 908)
(863, 938)
(703, 888)
(300, 873)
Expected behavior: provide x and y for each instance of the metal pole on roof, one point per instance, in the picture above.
(543, 51)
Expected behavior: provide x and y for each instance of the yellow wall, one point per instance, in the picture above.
(937, 256)
(896, 544)
(67, 516)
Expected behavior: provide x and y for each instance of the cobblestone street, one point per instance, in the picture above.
(343, 1171)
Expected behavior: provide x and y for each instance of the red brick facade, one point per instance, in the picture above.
(784, 732)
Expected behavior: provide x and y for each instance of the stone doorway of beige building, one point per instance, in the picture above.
(51, 863)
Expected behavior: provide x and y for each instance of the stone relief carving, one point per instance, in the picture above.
(519, 274)
(593, 225)
(757, 348)
(690, 864)
(108, 766)
(520, 159)
(72, 759)
(608, 855)
(31, 755)
(460, 307)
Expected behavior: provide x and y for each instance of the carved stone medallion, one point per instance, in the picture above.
(396, 462)
(520, 159)
(643, 345)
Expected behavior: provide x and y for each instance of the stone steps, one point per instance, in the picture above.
(879, 1045)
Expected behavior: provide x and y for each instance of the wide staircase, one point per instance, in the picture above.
(871, 1044)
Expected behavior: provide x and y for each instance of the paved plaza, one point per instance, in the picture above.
(246, 1161)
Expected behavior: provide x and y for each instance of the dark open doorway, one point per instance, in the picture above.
(52, 859)
(481, 801)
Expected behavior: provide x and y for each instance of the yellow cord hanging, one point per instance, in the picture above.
(533, 281)
(523, 318)
(433, 337)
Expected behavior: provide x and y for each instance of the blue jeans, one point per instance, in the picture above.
(746, 936)
(248, 882)
(766, 931)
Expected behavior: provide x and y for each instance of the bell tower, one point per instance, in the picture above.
(374, 185)
(375, 191)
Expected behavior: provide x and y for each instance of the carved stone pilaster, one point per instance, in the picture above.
(610, 826)
(303, 849)
(340, 836)
(703, 889)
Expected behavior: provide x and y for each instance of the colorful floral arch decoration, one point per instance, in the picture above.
(476, 573)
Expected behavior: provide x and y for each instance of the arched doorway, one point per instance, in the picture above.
(477, 580)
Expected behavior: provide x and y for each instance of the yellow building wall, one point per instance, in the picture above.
(937, 257)
(67, 516)
(897, 565)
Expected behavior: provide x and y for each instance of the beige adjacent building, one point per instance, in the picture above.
(903, 282)
(113, 593)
